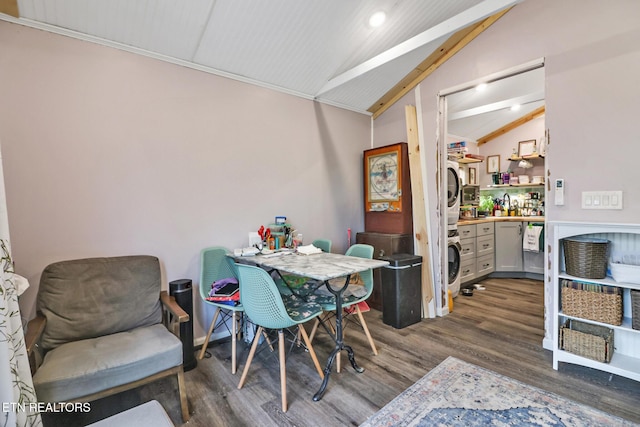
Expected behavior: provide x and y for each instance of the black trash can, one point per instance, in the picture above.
(402, 290)
(182, 291)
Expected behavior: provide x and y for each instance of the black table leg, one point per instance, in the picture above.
(339, 342)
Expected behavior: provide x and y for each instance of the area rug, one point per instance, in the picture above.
(456, 393)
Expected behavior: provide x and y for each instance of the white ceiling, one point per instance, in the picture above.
(472, 114)
(321, 49)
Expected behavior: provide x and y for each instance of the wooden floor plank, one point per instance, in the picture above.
(500, 328)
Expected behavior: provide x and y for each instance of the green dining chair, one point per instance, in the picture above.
(216, 265)
(324, 244)
(350, 304)
(268, 309)
(295, 282)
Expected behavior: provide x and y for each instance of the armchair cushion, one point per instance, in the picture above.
(92, 297)
(84, 367)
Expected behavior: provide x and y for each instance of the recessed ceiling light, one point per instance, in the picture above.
(481, 87)
(515, 107)
(377, 19)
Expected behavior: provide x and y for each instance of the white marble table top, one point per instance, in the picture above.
(323, 266)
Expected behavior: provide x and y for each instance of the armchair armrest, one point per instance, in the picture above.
(35, 327)
(172, 306)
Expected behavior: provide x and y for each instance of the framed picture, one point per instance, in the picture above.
(473, 178)
(493, 163)
(526, 148)
(383, 186)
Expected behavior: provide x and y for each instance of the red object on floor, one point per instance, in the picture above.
(363, 307)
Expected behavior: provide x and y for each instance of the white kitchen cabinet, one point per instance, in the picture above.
(467, 270)
(467, 252)
(477, 254)
(508, 246)
(626, 355)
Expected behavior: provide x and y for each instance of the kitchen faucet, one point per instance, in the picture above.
(505, 198)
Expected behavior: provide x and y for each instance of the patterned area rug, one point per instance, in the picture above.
(457, 393)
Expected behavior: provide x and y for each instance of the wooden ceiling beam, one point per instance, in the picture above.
(449, 48)
(9, 7)
(510, 126)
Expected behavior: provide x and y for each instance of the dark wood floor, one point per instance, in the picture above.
(500, 328)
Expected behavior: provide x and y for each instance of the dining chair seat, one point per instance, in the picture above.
(298, 309)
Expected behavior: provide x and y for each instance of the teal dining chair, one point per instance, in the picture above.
(268, 309)
(295, 282)
(216, 265)
(324, 244)
(350, 303)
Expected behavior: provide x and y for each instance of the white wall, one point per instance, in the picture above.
(504, 145)
(111, 153)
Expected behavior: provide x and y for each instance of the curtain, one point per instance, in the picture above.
(17, 396)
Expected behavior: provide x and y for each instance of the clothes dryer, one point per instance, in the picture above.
(454, 250)
(453, 192)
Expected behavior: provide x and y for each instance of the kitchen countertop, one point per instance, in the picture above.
(469, 221)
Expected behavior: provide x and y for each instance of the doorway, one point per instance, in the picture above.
(474, 119)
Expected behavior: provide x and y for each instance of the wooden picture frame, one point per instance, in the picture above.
(473, 177)
(493, 163)
(526, 148)
(383, 183)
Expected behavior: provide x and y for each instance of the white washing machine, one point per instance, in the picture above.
(454, 250)
(453, 192)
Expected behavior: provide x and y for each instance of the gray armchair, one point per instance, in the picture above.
(103, 326)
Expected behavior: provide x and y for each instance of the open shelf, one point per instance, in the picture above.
(515, 185)
(625, 359)
(529, 157)
(466, 160)
(623, 365)
(625, 326)
(606, 281)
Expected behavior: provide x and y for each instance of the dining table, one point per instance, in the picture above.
(321, 267)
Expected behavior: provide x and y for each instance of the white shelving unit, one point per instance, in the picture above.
(626, 355)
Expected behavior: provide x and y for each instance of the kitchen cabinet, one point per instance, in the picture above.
(467, 252)
(485, 249)
(384, 244)
(477, 254)
(625, 360)
(508, 246)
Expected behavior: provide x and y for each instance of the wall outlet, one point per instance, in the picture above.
(602, 200)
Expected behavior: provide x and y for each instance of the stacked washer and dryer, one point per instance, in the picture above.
(453, 238)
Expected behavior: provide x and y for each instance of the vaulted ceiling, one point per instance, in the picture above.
(322, 50)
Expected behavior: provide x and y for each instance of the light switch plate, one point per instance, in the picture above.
(602, 200)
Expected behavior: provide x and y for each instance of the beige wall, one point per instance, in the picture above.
(592, 63)
(111, 153)
(592, 60)
(504, 146)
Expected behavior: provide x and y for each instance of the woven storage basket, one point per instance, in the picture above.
(597, 306)
(591, 341)
(635, 309)
(585, 257)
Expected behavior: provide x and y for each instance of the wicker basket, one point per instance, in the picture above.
(585, 257)
(597, 306)
(635, 309)
(591, 341)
